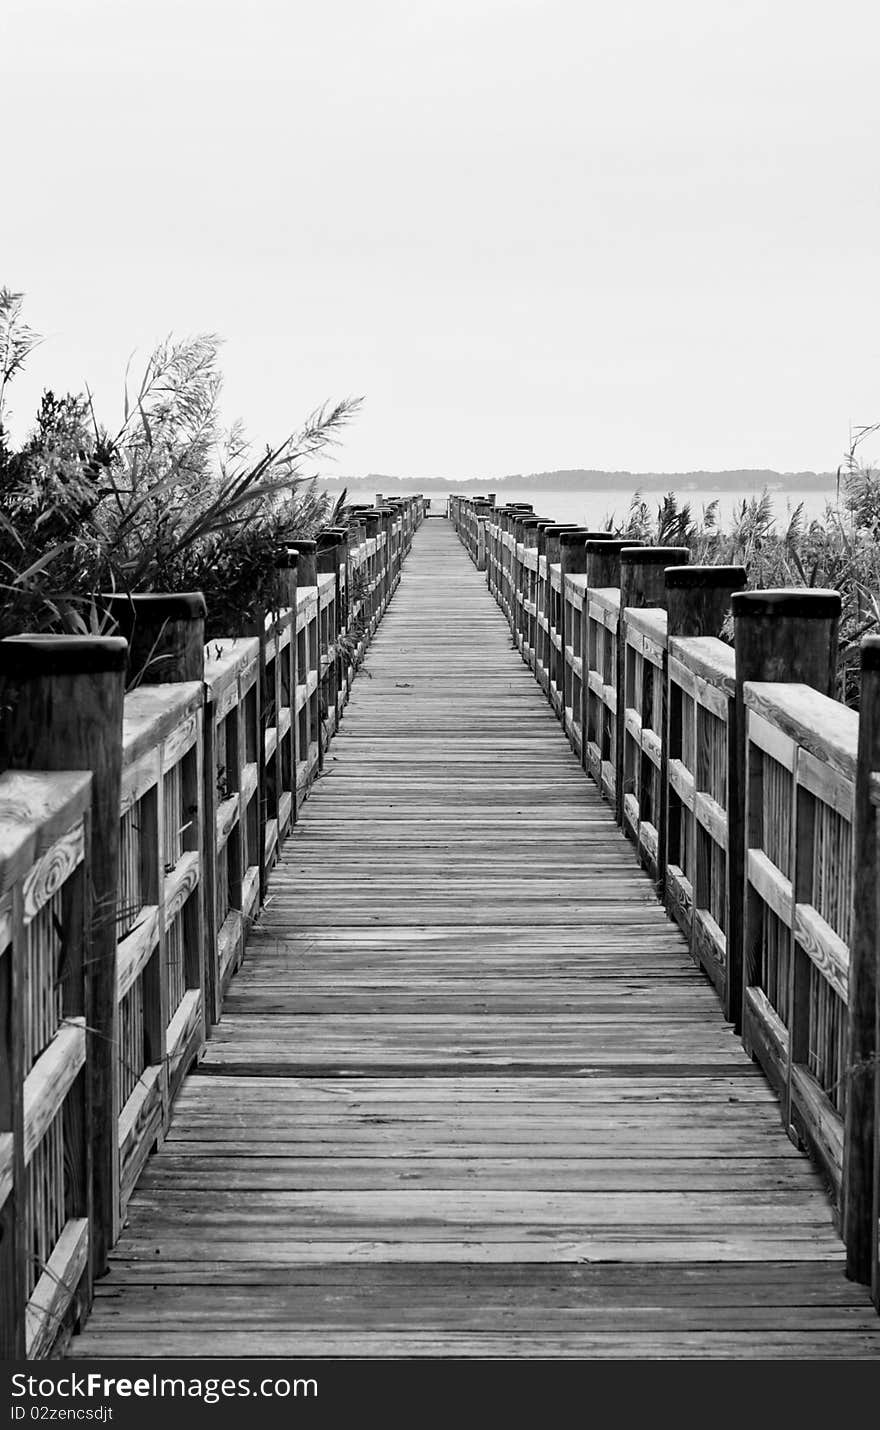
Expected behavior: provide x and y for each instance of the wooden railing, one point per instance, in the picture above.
(601, 615)
(45, 1161)
(751, 797)
(700, 693)
(160, 915)
(644, 711)
(801, 763)
(127, 889)
(232, 805)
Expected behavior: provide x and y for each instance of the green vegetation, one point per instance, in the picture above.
(172, 501)
(841, 551)
(168, 502)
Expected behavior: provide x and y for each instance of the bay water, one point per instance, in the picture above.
(593, 509)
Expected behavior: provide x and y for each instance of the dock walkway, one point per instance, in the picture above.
(469, 1095)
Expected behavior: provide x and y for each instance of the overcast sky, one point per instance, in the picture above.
(532, 233)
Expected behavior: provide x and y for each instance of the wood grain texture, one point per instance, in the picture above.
(469, 1094)
(62, 718)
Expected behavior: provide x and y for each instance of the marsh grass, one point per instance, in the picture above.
(839, 551)
(169, 501)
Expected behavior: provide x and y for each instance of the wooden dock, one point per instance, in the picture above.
(469, 1095)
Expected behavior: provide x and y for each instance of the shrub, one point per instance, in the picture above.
(839, 551)
(168, 502)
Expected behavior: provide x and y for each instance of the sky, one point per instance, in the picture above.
(531, 234)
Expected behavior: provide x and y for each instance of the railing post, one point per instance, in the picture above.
(14, 1249)
(642, 583)
(518, 571)
(532, 526)
(572, 561)
(784, 635)
(287, 569)
(46, 1214)
(697, 604)
(375, 528)
(165, 633)
(386, 517)
(374, 524)
(504, 526)
(514, 514)
(491, 551)
(287, 576)
(307, 575)
(327, 562)
(360, 583)
(552, 557)
(603, 562)
(343, 575)
(482, 512)
(306, 562)
(284, 598)
(397, 541)
(861, 1142)
(166, 645)
(698, 598)
(500, 567)
(62, 700)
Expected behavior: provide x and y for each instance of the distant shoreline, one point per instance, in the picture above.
(626, 483)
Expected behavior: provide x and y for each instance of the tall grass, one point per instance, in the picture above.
(839, 551)
(170, 500)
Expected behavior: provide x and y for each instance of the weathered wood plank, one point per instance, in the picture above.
(470, 1094)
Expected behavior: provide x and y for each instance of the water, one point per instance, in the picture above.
(592, 509)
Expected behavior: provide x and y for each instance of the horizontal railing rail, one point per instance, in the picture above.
(801, 768)
(45, 1181)
(751, 797)
(160, 910)
(701, 688)
(128, 886)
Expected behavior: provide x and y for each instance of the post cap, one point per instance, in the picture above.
(696, 577)
(870, 649)
(62, 655)
(817, 604)
(611, 547)
(304, 548)
(158, 605)
(655, 555)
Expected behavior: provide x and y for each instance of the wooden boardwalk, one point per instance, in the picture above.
(469, 1095)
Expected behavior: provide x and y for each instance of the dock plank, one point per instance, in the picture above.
(469, 1095)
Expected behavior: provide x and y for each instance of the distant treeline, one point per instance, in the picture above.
(582, 480)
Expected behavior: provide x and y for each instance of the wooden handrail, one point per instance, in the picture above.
(188, 790)
(45, 852)
(777, 894)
